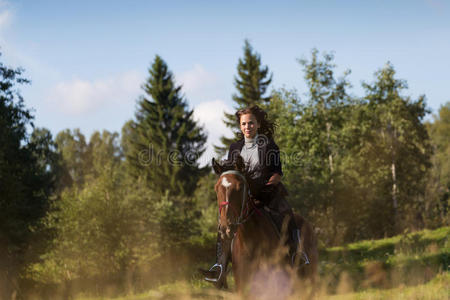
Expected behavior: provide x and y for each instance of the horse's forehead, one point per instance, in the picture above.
(227, 181)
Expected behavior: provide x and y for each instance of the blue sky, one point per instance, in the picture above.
(87, 59)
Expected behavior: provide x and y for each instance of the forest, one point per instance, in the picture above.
(118, 213)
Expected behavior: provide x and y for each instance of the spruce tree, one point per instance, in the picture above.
(251, 83)
(164, 142)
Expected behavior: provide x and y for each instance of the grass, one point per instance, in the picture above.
(406, 259)
(437, 288)
(409, 266)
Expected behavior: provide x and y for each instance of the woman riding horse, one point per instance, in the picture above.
(263, 167)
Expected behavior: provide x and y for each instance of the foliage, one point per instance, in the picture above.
(437, 194)
(251, 84)
(74, 150)
(48, 159)
(355, 168)
(398, 147)
(205, 197)
(112, 227)
(165, 142)
(314, 142)
(26, 181)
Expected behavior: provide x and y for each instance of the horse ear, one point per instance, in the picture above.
(239, 164)
(216, 167)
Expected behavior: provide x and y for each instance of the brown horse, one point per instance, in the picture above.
(251, 239)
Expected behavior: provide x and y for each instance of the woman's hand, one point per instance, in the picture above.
(274, 179)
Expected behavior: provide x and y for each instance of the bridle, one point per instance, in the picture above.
(242, 217)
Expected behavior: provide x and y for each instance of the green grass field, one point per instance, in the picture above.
(409, 266)
(437, 288)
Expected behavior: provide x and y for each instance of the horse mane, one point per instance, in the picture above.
(226, 165)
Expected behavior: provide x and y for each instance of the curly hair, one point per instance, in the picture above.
(266, 128)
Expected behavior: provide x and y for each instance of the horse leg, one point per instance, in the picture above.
(241, 265)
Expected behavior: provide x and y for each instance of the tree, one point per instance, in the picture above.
(74, 150)
(165, 142)
(314, 142)
(114, 222)
(104, 149)
(48, 158)
(251, 83)
(398, 145)
(24, 183)
(328, 100)
(103, 229)
(437, 196)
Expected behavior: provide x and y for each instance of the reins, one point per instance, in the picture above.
(242, 218)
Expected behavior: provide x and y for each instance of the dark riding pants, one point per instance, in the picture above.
(274, 197)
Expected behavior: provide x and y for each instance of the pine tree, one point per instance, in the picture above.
(251, 84)
(164, 141)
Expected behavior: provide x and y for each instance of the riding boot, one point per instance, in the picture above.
(279, 204)
(297, 255)
(214, 274)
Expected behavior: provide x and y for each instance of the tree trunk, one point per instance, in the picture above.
(394, 188)
(330, 153)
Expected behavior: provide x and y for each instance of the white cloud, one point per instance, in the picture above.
(5, 17)
(210, 115)
(196, 79)
(200, 85)
(80, 96)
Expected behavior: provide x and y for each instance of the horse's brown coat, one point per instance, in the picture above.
(255, 241)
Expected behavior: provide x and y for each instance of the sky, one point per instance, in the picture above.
(87, 60)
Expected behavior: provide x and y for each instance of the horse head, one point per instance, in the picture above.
(226, 165)
(232, 191)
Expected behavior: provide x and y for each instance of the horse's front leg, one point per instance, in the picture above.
(241, 265)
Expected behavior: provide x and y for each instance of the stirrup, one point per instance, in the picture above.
(211, 270)
(305, 258)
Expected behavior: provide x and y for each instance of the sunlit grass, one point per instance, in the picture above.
(410, 266)
(438, 288)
